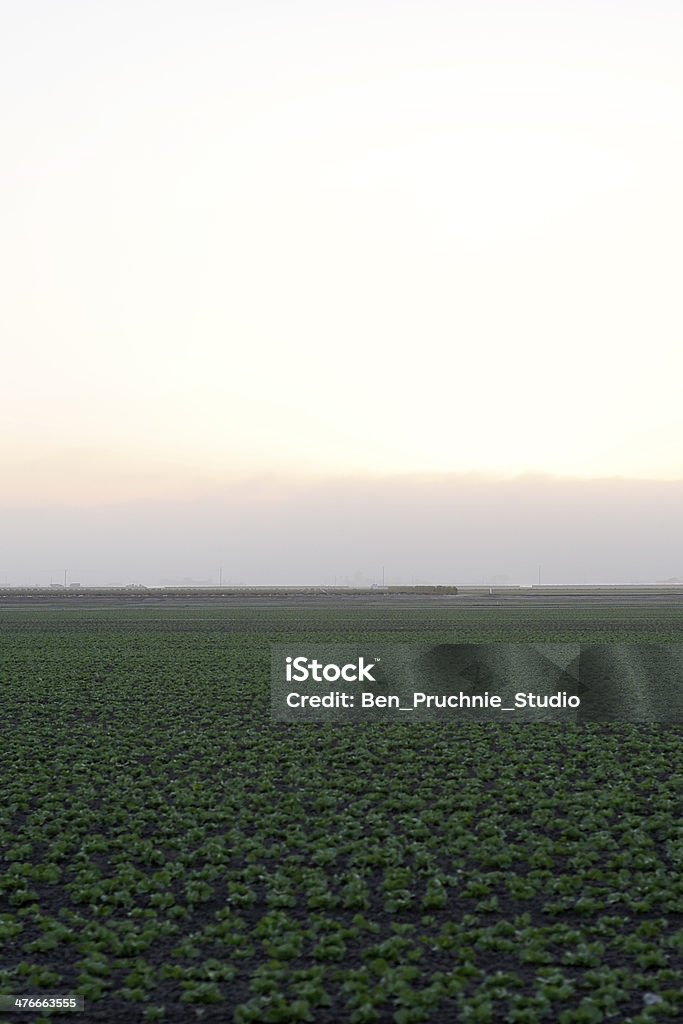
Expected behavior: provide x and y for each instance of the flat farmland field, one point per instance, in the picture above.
(168, 853)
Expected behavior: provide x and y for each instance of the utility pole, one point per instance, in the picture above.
(220, 577)
(65, 577)
(382, 576)
(539, 575)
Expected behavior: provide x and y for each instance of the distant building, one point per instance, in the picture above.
(74, 586)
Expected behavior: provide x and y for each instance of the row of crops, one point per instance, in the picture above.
(170, 854)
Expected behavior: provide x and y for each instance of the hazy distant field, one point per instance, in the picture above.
(172, 855)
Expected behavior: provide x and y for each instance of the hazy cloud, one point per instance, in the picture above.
(446, 529)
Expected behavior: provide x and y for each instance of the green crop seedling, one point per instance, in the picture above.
(171, 854)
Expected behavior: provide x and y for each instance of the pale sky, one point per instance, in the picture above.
(326, 239)
(455, 530)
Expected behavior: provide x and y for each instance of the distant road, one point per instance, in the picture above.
(471, 597)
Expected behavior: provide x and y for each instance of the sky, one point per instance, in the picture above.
(410, 250)
(352, 531)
